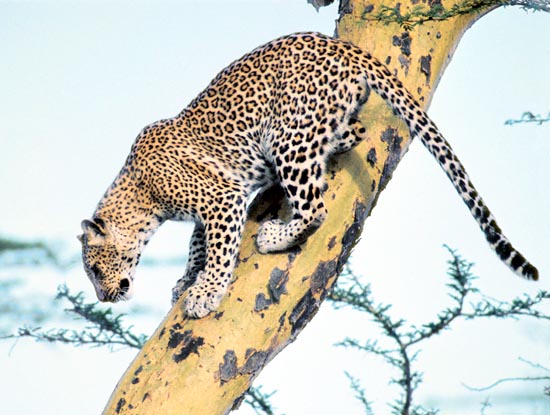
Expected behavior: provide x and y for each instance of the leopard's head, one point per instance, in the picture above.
(109, 264)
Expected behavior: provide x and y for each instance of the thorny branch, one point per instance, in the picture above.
(351, 293)
(107, 329)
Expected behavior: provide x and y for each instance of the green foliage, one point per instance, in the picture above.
(421, 14)
(467, 303)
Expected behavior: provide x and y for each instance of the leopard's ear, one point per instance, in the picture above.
(94, 232)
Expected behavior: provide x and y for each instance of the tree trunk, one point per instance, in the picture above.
(205, 366)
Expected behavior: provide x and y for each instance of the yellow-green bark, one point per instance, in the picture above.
(205, 366)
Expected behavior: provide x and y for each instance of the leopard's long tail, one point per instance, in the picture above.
(380, 80)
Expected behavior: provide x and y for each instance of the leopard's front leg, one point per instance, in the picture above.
(195, 263)
(223, 224)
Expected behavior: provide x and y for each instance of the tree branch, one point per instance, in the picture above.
(105, 329)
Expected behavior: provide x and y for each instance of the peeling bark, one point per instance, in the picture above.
(205, 366)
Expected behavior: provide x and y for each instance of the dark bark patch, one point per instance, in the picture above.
(405, 63)
(188, 343)
(237, 402)
(368, 9)
(174, 330)
(254, 362)
(282, 322)
(147, 395)
(277, 284)
(371, 157)
(393, 142)
(302, 313)
(319, 278)
(331, 243)
(162, 332)
(426, 67)
(228, 369)
(261, 302)
(403, 42)
(175, 336)
(352, 234)
(120, 404)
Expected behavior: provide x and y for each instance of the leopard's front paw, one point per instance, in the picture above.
(270, 237)
(182, 285)
(201, 300)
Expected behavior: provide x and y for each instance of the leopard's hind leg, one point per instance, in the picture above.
(300, 160)
(301, 172)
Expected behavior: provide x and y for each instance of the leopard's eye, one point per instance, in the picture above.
(97, 272)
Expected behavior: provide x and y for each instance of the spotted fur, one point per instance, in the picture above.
(275, 115)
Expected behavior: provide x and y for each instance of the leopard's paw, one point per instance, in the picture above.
(201, 300)
(271, 237)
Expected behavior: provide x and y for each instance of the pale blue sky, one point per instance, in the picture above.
(78, 80)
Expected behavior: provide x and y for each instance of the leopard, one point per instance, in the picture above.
(275, 116)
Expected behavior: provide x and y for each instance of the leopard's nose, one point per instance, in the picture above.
(124, 285)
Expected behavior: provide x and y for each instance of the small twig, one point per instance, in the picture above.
(504, 380)
(529, 117)
(533, 364)
(484, 405)
(360, 394)
(515, 379)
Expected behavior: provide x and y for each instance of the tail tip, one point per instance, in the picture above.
(530, 272)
